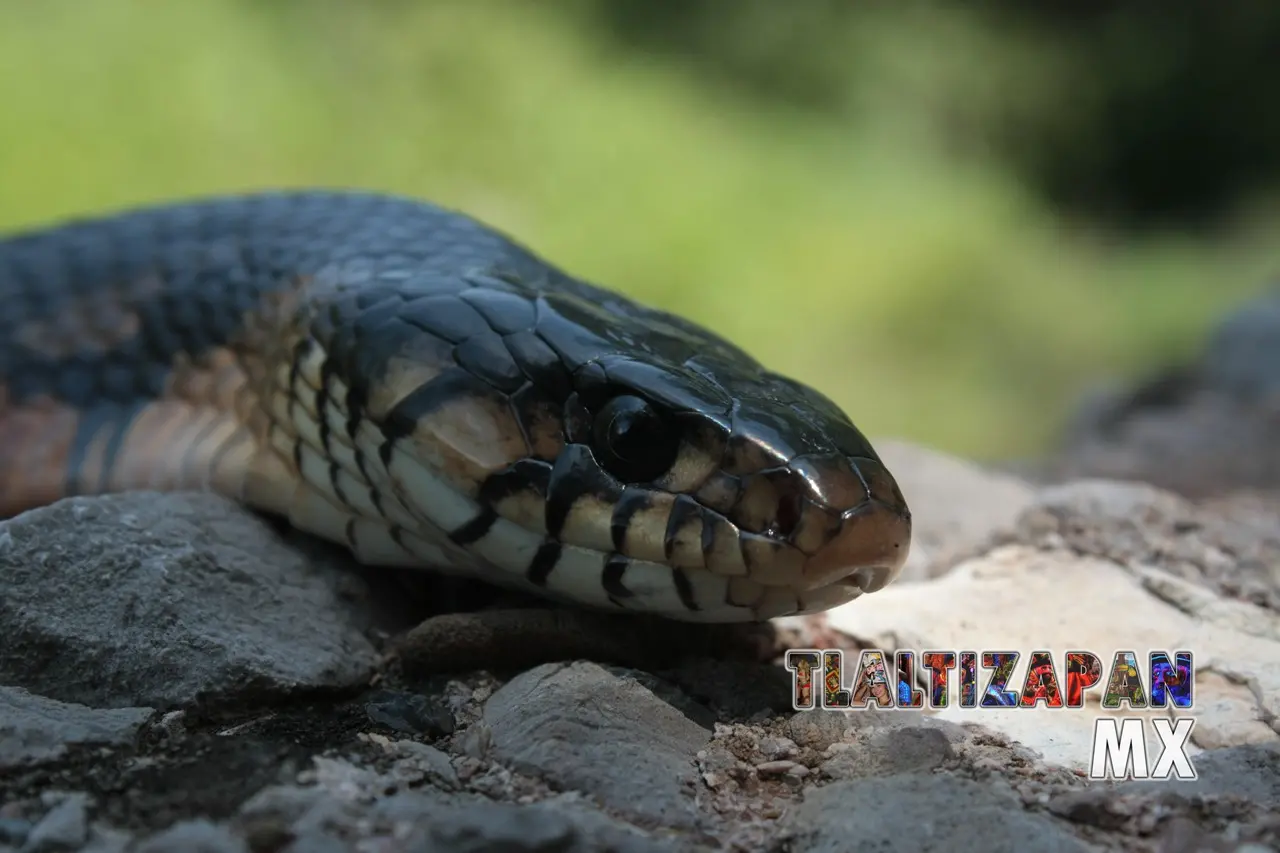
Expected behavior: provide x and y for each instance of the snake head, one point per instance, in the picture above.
(565, 440)
(742, 479)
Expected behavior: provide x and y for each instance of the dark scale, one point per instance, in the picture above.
(574, 475)
(335, 483)
(447, 317)
(475, 529)
(486, 356)
(115, 420)
(540, 364)
(506, 313)
(524, 475)
(612, 578)
(684, 589)
(544, 562)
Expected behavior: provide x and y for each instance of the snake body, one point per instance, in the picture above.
(410, 383)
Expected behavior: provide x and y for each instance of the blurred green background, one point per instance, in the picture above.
(952, 218)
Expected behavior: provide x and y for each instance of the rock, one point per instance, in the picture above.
(197, 836)
(909, 746)
(483, 826)
(743, 690)
(35, 729)
(1029, 598)
(418, 761)
(165, 600)
(1210, 444)
(1000, 602)
(1237, 788)
(329, 817)
(582, 728)
(108, 840)
(1137, 524)
(1250, 772)
(955, 504)
(14, 831)
(65, 827)
(1242, 356)
(1200, 429)
(921, 813)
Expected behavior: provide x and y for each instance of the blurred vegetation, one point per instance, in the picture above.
(951, 218)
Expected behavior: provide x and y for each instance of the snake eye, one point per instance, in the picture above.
(633, 441)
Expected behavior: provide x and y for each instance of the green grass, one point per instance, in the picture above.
(934, 298)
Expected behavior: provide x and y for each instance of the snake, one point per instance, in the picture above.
(414, 385)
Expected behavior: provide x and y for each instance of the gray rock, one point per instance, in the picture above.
(14, 831)
(1209, 445)
(420, 761)
(819, 729)
(1200, 429)
(486, 827)
(316, 819)
(108, 840)
(65, 827)
(920, 814)
(35, 729)
(1132, 523)
(160, 600)
(1238, 790)
(1242, 357)
(195, 836)
(584, 729)
(892, 750)
(1250, 772)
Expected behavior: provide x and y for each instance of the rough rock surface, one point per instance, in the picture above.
(34, 729)
(1200, 429)
(161, 601)
(177, 674)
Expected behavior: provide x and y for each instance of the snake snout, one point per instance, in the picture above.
(869, 544)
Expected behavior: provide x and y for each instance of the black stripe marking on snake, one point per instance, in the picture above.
(228, 444)
(631, 502)
(574, 475)
(611, 578)
(523, 475)
(684, 589)
(476, 529)
(709, 533)
(544, 562)
(113, 417)
(334, 470)
(374, 495)
(682, 510)
(196, 444)
(357, 399)
(452, 384)
(396, 532)
(307, 347)
(295, 371)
